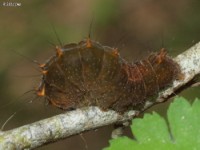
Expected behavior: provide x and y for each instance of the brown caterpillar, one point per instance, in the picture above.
(89, 74)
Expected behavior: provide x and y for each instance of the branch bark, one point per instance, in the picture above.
(74, 122)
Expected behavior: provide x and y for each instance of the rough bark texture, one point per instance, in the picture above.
(74, 122)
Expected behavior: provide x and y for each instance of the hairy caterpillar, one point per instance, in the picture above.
(89, 74)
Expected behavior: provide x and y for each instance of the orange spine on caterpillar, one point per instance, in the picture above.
(89, 74)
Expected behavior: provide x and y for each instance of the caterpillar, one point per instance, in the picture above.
(90, 74)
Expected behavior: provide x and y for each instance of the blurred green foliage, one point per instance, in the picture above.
(106, 11)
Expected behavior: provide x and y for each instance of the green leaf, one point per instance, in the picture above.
(184, 122)
(153, 133)
(121, 143)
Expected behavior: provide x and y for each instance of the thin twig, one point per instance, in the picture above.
(2, 127)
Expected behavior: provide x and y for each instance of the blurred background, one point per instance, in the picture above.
(135, 27)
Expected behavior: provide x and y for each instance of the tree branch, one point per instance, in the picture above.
(74, 122)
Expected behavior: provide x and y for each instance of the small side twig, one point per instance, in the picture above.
(2, 127)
